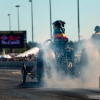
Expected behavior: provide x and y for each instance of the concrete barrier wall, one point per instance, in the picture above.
(17, 64)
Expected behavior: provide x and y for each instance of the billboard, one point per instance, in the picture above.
(12, 39)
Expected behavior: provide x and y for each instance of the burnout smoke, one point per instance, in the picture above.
(89, 73)
(51, 78)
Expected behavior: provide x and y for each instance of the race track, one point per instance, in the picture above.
(11, 88)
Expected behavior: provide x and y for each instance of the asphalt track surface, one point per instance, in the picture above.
(11, 88)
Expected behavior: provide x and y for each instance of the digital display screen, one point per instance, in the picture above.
(12, 39)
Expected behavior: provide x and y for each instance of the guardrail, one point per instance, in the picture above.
(16, 64)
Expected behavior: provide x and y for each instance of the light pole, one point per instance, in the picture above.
(10, 29)
(32, 19)
(50, 19)
(18, 14)
(78, 22)
(9, 22)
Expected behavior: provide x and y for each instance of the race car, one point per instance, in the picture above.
(54, 55)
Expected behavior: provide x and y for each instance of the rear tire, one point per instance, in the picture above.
(43, 65)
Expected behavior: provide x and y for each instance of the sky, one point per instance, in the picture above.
(65, 10)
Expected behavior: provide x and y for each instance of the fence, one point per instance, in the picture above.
(16, 64)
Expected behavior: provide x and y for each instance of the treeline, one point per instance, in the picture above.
(29, 45)
(77, 45)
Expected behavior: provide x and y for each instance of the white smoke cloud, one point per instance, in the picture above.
(91, 72)
(89, 75)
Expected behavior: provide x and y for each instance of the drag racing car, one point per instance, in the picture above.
(54, 55)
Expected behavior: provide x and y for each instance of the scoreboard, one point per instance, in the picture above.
(13, 39)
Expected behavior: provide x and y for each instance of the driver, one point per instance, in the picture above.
(96, 36)
(59, 31)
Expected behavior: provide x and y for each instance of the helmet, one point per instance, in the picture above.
(56, 23)
(97, 29)
(59, 23)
